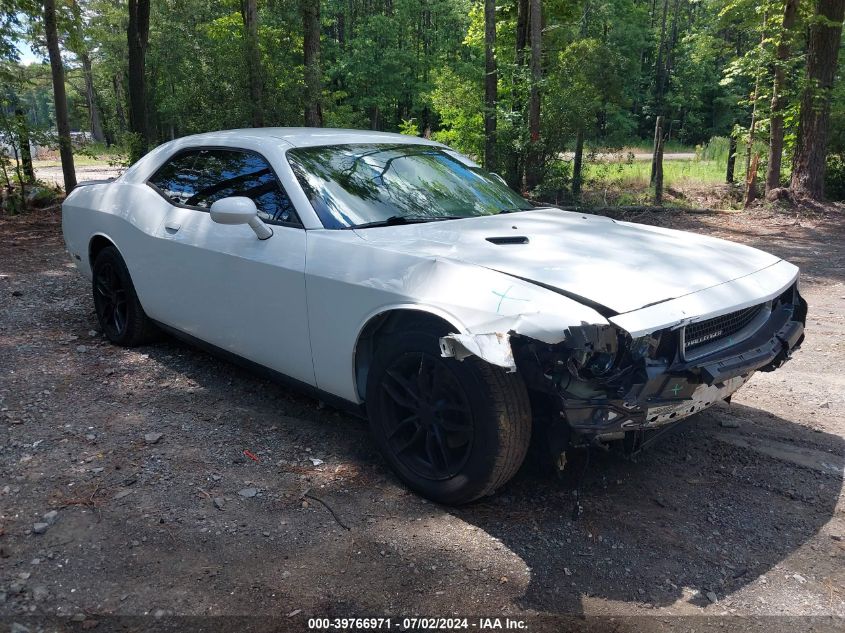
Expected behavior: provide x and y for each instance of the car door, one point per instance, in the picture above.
(220, 283)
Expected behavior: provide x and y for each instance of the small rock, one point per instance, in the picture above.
(159, 613)
(219, 502)
(40, 528)
(799, 578)
(729, 423)
(17, 627)
(40, 593)
(92, 332)
(566, 571)
(824, 405)
(81, 348)
(712, 597)
(50, 517)
(17, 586)
(248, 493)
(153, 438)
(17, 293)
(836, 537)
(122, 494)
(315, 461)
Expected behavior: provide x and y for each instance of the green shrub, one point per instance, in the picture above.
(834, 178)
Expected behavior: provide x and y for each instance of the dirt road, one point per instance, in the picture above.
(158, 511)
(53, 174)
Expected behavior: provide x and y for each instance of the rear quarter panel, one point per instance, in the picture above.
(128, 215)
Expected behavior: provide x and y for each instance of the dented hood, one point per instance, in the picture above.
(618, 265)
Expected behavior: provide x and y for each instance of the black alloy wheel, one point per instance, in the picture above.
(453, 431)
(110, 301)
(116, 303)
(428, 422)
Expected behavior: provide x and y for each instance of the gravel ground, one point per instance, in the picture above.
(162, 481)
(53, 174)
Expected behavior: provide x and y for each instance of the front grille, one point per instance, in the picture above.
(697, 335)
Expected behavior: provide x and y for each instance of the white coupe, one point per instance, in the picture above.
(391, 275)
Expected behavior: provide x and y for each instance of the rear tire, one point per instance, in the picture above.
(453, 431)
(119, 311)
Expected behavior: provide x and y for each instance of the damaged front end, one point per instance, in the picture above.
(605, 385)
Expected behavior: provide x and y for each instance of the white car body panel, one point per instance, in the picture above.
(299, 301)
(717, 300)
(620, 265)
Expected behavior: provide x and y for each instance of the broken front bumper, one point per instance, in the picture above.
(662, 393)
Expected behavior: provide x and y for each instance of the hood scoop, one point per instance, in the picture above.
(511, 239)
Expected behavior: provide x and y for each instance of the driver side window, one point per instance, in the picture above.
(198, 178)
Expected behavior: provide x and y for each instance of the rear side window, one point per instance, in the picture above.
(200, 177)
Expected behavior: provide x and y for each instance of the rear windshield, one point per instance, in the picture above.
(357, 184)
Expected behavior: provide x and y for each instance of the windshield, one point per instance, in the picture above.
(372, 184)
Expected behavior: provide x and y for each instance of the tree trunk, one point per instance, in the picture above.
(751, 183)
(252, 55)
(95, 121)
(59, 96)
(532, 168)
(657, 161)
(658, 135)
(23, 139)
(310, 10)
(577, 164)
(660, 78)
(522, 28)
(491, 85)
(729, 172)
(138, 32)
(809, 164)
(658, 172)
(117, 84)
(790, 10)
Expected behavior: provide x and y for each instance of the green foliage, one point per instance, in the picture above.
(418, 68)
(834, 182)
(409, 127)
(462, 124)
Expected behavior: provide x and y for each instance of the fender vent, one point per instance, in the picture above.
(501, 241)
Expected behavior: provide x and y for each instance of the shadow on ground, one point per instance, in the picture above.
(700, 515)
(705, 512)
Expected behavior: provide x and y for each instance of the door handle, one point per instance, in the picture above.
(172, 227)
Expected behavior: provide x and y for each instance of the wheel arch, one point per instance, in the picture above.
(97, 243)
(387, 321)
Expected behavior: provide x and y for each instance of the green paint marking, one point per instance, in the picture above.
(676, 390)
(504, 295)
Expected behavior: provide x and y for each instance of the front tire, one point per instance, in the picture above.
(453, 431)
(119, 312)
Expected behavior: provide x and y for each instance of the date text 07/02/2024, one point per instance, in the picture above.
(417, 623)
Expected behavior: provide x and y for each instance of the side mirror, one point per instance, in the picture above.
(240, 210)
